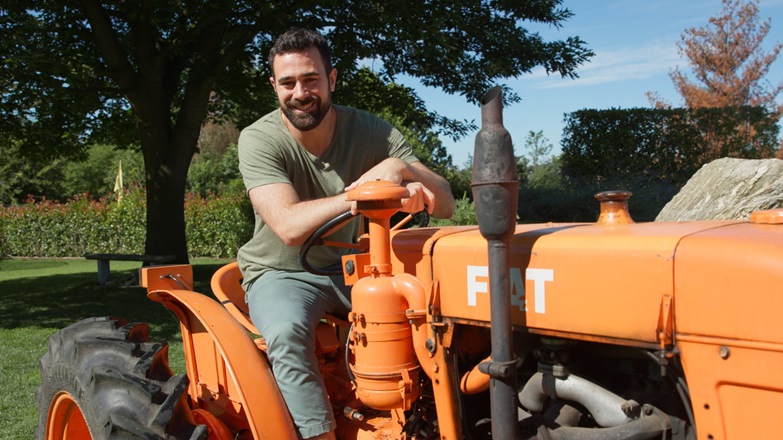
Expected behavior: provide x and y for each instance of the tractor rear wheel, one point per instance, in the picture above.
(103, 379)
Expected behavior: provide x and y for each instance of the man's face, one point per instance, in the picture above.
(304, 88)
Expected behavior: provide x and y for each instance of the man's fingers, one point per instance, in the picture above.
(420, 198)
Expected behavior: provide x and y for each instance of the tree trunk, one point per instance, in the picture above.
(166, 215)
(166, 160)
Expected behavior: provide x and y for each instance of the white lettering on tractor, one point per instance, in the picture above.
(538, 276)
(474, 286)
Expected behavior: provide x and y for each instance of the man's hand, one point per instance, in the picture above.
(391, 170)
(419, 198)
(425, 187)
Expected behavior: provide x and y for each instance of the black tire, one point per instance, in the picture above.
(120, 382)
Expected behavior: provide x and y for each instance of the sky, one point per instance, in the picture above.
(635, 46)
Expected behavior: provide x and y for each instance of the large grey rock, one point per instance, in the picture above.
(728, 189)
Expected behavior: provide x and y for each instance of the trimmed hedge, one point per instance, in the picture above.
(629, 146)
(216, 226)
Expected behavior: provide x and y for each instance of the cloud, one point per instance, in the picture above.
(631, 63)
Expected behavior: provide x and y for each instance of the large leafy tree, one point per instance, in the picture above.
(149, 72)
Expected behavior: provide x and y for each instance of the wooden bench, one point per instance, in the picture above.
(104, 269)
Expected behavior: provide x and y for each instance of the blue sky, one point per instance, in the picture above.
(635, 48)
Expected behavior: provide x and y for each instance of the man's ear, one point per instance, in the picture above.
(332, 79)
(272, 82)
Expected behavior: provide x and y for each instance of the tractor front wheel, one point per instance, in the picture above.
(103, 379)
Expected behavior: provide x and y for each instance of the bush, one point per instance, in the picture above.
(216, 226)
(212, 173)
(464, 214)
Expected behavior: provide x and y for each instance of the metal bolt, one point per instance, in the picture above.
(430, 345)
(724, 352)
(349, 267)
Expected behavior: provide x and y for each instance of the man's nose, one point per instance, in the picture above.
(301, 90)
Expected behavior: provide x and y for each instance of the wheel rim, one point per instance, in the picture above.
(66, 420)
(216, 428)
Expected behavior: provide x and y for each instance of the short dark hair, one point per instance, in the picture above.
(301, 40)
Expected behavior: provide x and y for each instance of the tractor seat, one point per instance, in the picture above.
(227, 286)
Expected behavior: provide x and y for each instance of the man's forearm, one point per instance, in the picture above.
(444, 200)
(293, 220)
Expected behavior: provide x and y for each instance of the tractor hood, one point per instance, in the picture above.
(623, 283)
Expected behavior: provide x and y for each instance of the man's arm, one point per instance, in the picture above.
(291, 219)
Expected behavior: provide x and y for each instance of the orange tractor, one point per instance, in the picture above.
(605, 330)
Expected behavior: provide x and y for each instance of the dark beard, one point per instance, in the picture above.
(304, 121)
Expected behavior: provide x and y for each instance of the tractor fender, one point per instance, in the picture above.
(221, 357)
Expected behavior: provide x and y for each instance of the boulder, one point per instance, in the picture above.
(728, 189)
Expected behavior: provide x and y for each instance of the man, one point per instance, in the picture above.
(297, 162)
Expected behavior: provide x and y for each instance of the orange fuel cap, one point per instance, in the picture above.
(768, 217)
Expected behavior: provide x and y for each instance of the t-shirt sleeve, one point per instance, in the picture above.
(261, 161)
(399, 148)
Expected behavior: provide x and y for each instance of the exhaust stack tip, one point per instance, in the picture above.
(494, 179)
(491, 94)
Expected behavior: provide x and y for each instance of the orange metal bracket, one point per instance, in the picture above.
(665, 328)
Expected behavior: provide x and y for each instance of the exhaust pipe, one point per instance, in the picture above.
(608, 409)
(495, 188)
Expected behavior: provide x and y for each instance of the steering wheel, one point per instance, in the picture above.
(316, 238)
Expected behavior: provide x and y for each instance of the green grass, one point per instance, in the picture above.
(38, 297)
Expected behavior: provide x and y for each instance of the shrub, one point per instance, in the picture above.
(464, 214)
(216, 226)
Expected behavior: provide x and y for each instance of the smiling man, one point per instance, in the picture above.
(297, 162)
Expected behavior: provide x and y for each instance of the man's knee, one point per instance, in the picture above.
(288, 335)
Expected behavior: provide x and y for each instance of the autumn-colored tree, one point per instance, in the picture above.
(729, 64)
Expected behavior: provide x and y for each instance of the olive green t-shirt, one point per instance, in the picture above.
(268, 153)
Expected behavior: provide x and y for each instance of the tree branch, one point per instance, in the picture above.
(120, 69)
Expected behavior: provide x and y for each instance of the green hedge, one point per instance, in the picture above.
(629, 146)
(216, 226)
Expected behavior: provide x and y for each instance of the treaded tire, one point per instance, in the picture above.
(121, 383)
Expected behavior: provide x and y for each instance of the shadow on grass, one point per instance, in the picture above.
(55, 301)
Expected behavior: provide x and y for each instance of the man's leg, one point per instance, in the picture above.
(286, 308)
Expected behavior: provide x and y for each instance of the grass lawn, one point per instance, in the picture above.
(38, 297)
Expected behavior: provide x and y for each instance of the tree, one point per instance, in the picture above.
(542, 169)
(150, 72)
(728, 62)
(21, 176)
(538, 147)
